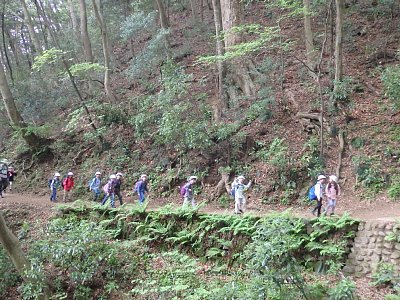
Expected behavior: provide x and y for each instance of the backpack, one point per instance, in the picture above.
(106, 187)
(182, 190)
(136, 188)
(233, 191)
(50, 181)
(311, 193)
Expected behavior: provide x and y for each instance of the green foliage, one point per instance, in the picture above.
(342, 89)
(137, 24)
(394, 189)
(357, 142)
(276, 154)
(385, 275)
(84, 69)
(10, 277)
(391, 84)
(344, 290)
(311, 159)
(47, 58)
(264, 39)
(368, 173)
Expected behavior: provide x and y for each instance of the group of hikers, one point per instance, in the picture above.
(7, 175)
(329, 187)
(111, 189)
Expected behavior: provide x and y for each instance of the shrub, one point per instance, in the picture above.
(344, 290)
(391, 84)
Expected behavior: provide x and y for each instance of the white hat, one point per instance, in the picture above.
(241, 177)
(193, 177)
(70, 174)
(98, 173)
(321, 177)
(334, 178)
(113, 176)
(143, 176)
(119, 174)
(56, 174)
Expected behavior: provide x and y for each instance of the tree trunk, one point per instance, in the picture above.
(106, 54)
(87, 47)
(222, 103)
(13, 248)
(338, 42)
(13, 114)
(31, 29)
(240, 68)
(163, 14)
(72, 15)
(308, 34)
(3, 34)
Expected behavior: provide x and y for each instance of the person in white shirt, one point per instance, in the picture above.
(240, 197)
(319, 191)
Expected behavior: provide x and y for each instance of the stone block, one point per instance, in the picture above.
(395, 254)
(397, 246)
(381, 233)
(367, 226)
(375, 258)
(360, 258)
(388, 245)
(358, 269)
(389, 227)
(378, 251)
(371, 246)
(372, 239)
(348, 270)
(386, 251)
(380, 225)
(361, 240)
(361, 226)
(380, 239)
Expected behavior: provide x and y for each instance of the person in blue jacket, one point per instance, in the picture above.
(95, 185)
(141, 188)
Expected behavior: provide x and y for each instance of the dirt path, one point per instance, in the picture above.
(40, 206)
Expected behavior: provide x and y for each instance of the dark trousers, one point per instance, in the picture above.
(119, 195)
(318, 207)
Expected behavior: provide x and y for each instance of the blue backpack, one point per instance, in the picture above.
(136, 188)
(311, 193)
(233, 191)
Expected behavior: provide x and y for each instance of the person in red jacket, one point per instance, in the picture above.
(68, 184)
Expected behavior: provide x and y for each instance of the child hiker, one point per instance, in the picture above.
(319, 193)
(118, 184)
(68, 185)
(54, 185)
(11, 176)
(95, 184)
(239, 191)
(188, 192)
(332, 192)
(109, 190)
(141, 188)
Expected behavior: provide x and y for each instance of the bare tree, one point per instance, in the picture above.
(87, 46)
(338, 42)
(31, 28)
(106, 53)
(222, 101)
(13, 114)
(308, 35)
(13, 248)
(72, 15)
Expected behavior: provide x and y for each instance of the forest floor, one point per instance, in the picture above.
(40, 210)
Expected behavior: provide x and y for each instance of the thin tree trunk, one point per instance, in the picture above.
(308, 34)
(87, 47)
(338, 42)
(222, 103)
(194, 12)
(13, 48)
(74, 21)
(26, 47)
(13, 248)
(46, 43)
(163, 14)
(31, 29)
(3, 29)
(106, 54)
(13, 114)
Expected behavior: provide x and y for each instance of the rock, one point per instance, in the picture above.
(388, 245)
(395, 254)
(348, 270)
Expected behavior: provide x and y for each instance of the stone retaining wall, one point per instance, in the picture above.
(370, 248)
